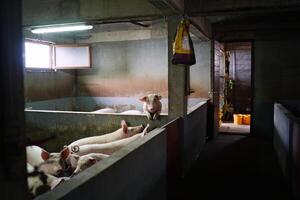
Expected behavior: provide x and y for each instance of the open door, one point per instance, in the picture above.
(236, 89)
(218, 59)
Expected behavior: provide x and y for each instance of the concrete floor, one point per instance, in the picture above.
(234, 128)
(234, 167)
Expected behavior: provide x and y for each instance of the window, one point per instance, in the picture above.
(45, 55)
(37, 55)
(71, 56)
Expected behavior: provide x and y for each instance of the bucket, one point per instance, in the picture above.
(246, 119)
(237, 119)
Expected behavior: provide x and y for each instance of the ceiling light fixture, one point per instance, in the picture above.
(61, 28)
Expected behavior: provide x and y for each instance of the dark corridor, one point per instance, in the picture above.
(235, 167)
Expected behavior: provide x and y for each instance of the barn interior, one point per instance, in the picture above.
(228, 122)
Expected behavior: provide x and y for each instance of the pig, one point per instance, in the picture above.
(121, 133)
(105, 110)
(88, 160)
(105, 148)
(65, 162)
(59, 164)
(132, 112)
(36, 155)
(39, 182)
(151, 106)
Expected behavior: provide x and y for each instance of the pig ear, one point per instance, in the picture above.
(45, 155)
(92, 160)
(124, 126)
(65, 153)
(143, 99)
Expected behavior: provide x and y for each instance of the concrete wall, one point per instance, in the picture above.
(39, 85)
(45, 84)
(133, 68)
(126, 68)
(282, 137)
(194, 136)
(286, 141)
(200, 73)
(276, 77)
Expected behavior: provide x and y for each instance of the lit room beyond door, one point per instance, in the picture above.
(236, 89)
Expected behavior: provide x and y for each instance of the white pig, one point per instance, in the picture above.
(121, 133)
(59, 164)
(40, 182)
(105, 110)
(132, 112)
(88, 160)
(151, 105)
(66, 160)
(105, 148)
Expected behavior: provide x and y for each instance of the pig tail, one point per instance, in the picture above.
(75, 149)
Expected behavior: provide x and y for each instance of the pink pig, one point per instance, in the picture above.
(124, 132)
(88, 160)
(152, 105)
(104, 148)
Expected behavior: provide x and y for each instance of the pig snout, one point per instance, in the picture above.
(154, 107)
(151, 109)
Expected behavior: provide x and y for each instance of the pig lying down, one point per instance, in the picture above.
(88, 160)
(58, 163)
(105, 110)
(121, 133)
(54, 168)
(39, 182)
(151, 105)
(116, 141)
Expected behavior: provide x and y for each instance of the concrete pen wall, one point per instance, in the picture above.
(67, 126)
(286, 114)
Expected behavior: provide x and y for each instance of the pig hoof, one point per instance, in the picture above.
(156, 116)
(145, 131)
(149, 117)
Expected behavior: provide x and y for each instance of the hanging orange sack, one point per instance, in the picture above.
(183, 49)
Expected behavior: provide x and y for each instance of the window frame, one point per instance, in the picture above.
(52, 56)
(72, 67)
(48, 43)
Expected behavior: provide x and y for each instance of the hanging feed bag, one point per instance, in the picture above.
(183, 50)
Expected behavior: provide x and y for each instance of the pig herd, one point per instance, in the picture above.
(48, 170)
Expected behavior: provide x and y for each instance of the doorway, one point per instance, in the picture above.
(235, 89)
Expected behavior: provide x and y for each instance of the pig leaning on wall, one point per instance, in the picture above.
(151, 105)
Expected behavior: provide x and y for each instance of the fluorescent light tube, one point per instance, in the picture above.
(61, 28)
